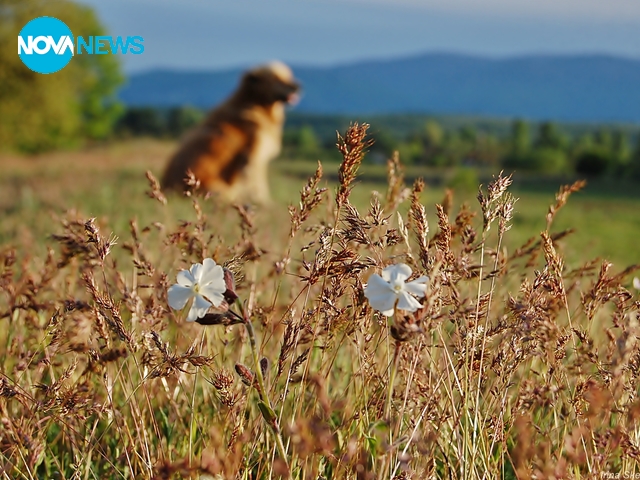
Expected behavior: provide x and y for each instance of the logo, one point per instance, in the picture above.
(46, 45)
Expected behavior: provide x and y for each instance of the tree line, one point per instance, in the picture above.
(540, 147)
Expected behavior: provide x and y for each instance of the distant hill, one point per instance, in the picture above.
(588, 88)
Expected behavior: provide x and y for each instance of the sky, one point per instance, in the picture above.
(219, 34)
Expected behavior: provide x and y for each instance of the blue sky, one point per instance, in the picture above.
(208, 34)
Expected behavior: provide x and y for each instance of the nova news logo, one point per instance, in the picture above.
(46, 45)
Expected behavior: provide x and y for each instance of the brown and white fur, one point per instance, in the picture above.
(230, 151)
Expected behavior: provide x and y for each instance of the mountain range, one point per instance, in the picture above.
(591, 88)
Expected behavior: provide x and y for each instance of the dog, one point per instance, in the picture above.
(229, 152)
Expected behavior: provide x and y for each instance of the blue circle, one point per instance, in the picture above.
(48, 35)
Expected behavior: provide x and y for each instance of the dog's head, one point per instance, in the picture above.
(269, 84)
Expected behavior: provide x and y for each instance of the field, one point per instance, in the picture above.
(35, 192)
(521, 362)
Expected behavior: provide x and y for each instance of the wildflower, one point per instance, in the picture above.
(204, 282)
(389, 291)
(636, 283)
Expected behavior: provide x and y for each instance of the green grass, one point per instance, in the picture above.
(108, 183)
(603, 215)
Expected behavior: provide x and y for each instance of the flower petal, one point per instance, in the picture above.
(384, 303)
(380, 295)
(185, 278)
(213, 293)
(396, 273)
(198, 308)
(196, 270)
(636, 283)
(178, 296)
(408, 303)
(377, 286)
(212, 273)
(388, 313)
(418, 287)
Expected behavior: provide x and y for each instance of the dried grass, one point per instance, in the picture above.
(515, 367)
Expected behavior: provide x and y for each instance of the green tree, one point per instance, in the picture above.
(411, 151)
(520, 138)
(433, 139)
(142, 121)
(487, 151)
(549, 160)
(433, 134)
(604, 139)
(385, 143)
(549, 136)
(308, 143)
(621, 150)
(584, 142)
(181, 119)
(41, 112)
(519, 146)
(593, 162)
(549, 154)
(458, 146)
(425, 146)
(468, 134)
(633, 168)
(607, 152)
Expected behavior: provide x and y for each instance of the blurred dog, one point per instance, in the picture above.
(230, 151)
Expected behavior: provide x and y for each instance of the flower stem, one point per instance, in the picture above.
(392, 379)
(387, 408)
(265, 404)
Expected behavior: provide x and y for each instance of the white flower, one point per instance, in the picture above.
(384, 291)
(636, 283)
(204, 282)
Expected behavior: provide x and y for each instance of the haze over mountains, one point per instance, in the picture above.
(591, 88)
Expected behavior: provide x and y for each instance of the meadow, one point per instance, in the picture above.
(521, 362)
(108, 182)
